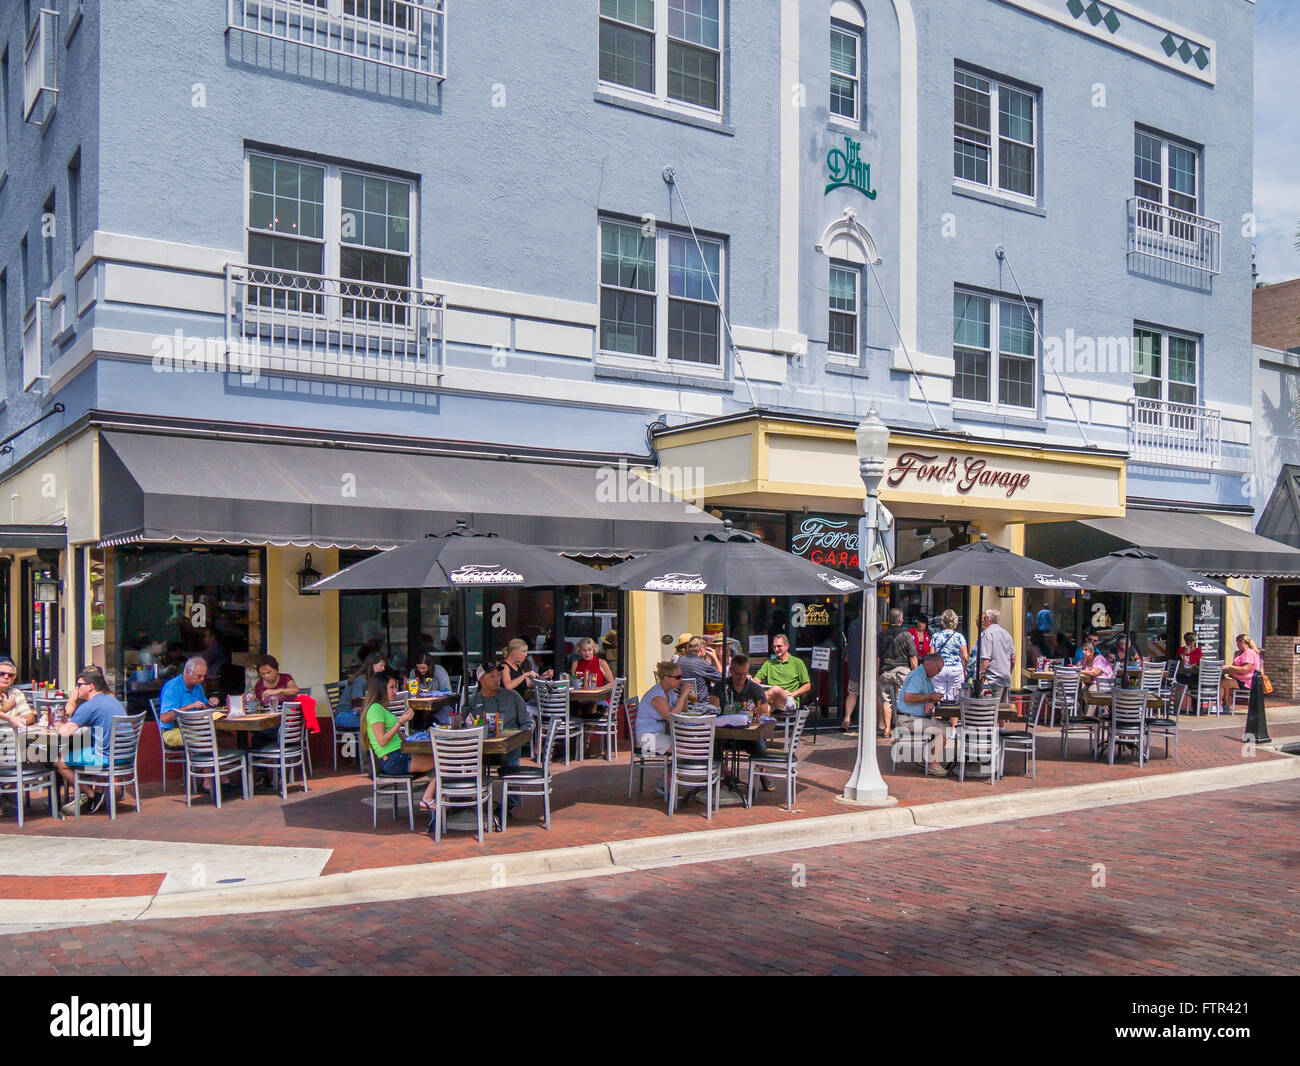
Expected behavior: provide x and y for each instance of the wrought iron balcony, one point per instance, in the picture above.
(1178, 237)
(309, 324)
(408, 35)
(1175, 434)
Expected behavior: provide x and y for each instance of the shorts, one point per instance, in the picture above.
(347, 720)
(395, 764)
(855, 687)
(895, 676)
(85, 758)
(655, 743)
(171, 738)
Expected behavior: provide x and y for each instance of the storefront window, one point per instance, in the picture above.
(595, 613)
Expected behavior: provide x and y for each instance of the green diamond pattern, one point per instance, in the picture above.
(1185, 52)
(1075, 7)
(1093, 12)
(1097, 13)
(1202, 60)
(1169, 44)
(1111, 20)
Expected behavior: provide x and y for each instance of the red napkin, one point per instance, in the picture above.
(308, 712)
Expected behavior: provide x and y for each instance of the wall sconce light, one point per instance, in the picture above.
(308, 575)
(1004, 592)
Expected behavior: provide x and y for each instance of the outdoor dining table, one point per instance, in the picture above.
(425, 707)
(506, 742)
(245, 723)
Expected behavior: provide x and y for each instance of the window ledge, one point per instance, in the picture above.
(1000, 417)
(834, 366)
(835, 122)
(659, 111)
(1001, 201)
(657, 376)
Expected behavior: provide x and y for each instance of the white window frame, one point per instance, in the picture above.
(837, 357)
(993, 403)
(331, 238)
(660, 97)
(1167, 229)
(1165, 333)
(856, 121)
(660, 360)
(992, 188)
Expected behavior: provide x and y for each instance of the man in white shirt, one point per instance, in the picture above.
(997, 653)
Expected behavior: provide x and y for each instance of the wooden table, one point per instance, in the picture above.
(761, 731)
(590, 695)
(953, 714)
(425, 707)
(1102, 699)
(512, 741)
(248, 723)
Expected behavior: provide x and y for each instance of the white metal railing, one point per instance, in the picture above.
(1174, 236)
(1180, 434)
(280, 320)
(40, 63)
(408, 35)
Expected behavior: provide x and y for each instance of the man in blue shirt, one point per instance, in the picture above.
(916, 696)
(184, 692)
(91, 705)
(1046, 623)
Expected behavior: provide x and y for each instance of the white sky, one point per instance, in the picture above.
(1277, 138)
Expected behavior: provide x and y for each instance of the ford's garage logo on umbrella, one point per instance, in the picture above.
(905, 576)
(1203, 589)
(838, 583)
(136, 579)
(1047, 581)
(676, 583)
(484, 574)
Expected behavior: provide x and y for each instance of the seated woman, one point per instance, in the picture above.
(667, 697)
(14, 708)
(1095, 667)
(428, 674)
(271, 682)
(1189, 660)
(348, 716)
(590, 667)
(1241, 674)
(520, 671)
(383, 735)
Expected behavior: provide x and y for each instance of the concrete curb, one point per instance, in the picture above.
(516, 869)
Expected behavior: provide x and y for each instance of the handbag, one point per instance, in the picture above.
(1268, 685)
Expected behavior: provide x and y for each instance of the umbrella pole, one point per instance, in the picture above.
(464, 645)
(978, 687)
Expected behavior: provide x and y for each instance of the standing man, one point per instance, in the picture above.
(1045, 622)
(184, 692)
(91, 704)
(700, 661)
(896, 651)
(853, 650)
(997, 655)
(785, 676)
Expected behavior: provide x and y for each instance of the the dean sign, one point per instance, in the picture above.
(847, 170)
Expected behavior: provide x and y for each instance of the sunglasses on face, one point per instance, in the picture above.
(4, 674)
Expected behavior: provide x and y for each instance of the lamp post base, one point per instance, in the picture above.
(867, 797)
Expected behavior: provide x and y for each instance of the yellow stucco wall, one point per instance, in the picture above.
(302, 631)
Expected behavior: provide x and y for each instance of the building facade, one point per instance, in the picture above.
(275, 285)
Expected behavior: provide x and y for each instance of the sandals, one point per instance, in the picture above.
(428, 807)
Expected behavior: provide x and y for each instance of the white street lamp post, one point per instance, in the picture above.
(866, 787)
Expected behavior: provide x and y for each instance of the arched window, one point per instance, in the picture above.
(848, 62)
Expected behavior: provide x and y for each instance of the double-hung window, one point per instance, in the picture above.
(995, 134)
(994, 352)
(1165, 366)
(660, 295)
(669, 51)
(843, 337)
(1165, 176)
(846, 75)
(322, 229)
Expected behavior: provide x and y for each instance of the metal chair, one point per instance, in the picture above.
(1152, 677)
(203, 759)
(1165, 723)
(458, 771)
(120, 770)
(1240, 695)
(530, 780)
(17, 779)
(174, 756)
(911, 744)
(978, 736)
(1025, 741)
(394, 786)
(1128, 723)
(640, 759)
(553, 702)
(691, 760)
(781, 767)
(333, 692)
(1208, 679)
(605, 724)
(290, 751)
(1065, 707)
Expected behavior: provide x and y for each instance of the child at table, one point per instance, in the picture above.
(382, 735)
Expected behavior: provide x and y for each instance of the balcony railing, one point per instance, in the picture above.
(40, 67)
(1175, 434)
(309, 324)
(1173, 236)
(408, 35)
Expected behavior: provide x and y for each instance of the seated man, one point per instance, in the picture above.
(916, 696)
(92, 705)
(14, 708)
(786, 676)
(493, 697)
(184, 692)
(730, 695)
(1095, 667)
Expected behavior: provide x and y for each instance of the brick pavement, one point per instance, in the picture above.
(589, 805)
(1200, 884)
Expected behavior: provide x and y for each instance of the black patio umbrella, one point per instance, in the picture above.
(728, 562)
(1136, 570)
(983, 563)
(460, 558)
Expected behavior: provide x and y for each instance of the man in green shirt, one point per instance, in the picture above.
(785, 677)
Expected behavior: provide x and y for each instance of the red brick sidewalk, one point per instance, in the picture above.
(589, 806)
(1200, 884)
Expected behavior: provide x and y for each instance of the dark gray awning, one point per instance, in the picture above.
(1280, 520)
(19, 536)
(1195, 541)
(192, 490)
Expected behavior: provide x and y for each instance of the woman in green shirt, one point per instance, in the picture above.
(382, 733)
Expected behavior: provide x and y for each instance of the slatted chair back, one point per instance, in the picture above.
(1208, 679)
(616, 695)
(11, 751)
(1065, 692)
(553, 698)
(458, 758)
(693, 737)
(1128, 708)
(630, 706)
(1153, 675)
(124, 739)
(456, 681)
(198, 734)
(293, 729)
(548, 745)
(333, 692)
(796, 731)
(979, 724)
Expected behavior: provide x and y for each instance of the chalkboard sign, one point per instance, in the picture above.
(1207, 624)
